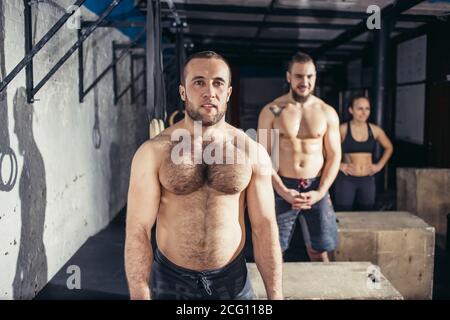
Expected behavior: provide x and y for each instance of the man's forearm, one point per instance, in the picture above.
(138, 263)
(329, 173)
(277, 183)
(268, 258)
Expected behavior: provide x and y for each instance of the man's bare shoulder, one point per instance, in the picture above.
(250, 144)
(275, 107)
(235, 132)
(167, 137)
(162, 140)
(152, 149)
(330, 113)
(259, 158)
(240, 135)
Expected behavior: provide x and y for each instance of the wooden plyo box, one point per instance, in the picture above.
(324, 281)
(400, 243)
(425, 192)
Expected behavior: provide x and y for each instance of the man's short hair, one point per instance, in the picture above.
(299, 57)
(203, 55)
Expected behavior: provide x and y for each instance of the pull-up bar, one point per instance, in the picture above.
(26, 60)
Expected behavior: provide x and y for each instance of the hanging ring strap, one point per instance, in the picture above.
(150, 61)
(181, 58)
(159, 76)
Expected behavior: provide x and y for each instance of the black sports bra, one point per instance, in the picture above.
(350, 145)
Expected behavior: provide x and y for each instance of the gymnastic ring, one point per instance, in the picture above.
(172, 117)
(13, 175)
(161, 125)
(153, 128)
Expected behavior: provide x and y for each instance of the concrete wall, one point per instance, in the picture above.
(70, 184)
(426, 193)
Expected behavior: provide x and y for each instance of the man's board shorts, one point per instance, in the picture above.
(172, 282)
(318, 224)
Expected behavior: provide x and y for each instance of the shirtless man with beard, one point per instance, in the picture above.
(309, 153)
(198, 201)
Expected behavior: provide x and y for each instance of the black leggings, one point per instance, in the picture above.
(347, 189)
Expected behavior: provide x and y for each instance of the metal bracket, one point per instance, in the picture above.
(31, 51)
(135, 57)
(126, 48)
(28, 48)
(35, 49)
(115, 46)
(76, 45)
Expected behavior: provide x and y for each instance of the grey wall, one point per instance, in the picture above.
(73, 158)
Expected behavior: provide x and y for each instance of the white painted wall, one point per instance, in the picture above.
(67, 190)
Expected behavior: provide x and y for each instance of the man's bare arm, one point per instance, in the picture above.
(261, 209)
(142, 208)
(264, 137)
(332, 145)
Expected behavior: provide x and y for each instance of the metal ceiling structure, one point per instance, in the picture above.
(331, 30)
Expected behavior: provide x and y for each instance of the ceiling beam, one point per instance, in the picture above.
(277, 11)
(271, 51)
(271, 40)
(390, 10)
(275, 24)
(290, 48)
(267, 24)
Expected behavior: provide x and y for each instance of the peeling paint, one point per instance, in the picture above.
(78, 177)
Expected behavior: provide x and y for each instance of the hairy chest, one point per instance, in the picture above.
(222, 167)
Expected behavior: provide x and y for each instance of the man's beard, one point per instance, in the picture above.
(197, 116)
(299, 98)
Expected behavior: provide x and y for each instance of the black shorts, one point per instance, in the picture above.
(171, 282)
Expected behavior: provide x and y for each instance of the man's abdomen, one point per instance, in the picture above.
(201, 236)
(309, 166)
(300, 159)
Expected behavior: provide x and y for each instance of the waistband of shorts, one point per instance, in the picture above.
(240, 258)
(300, 182)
